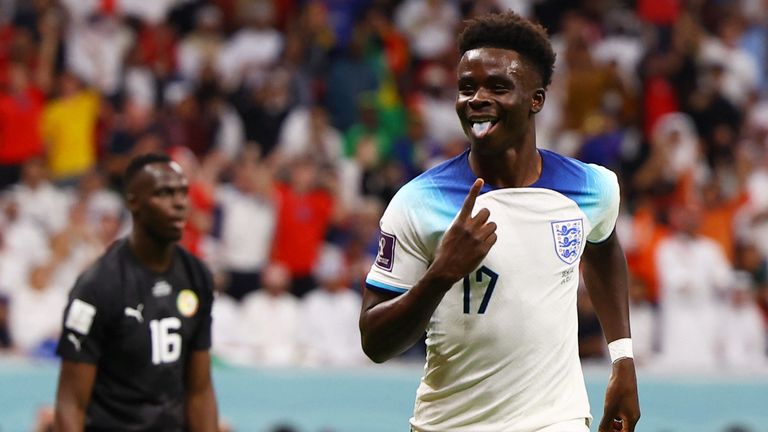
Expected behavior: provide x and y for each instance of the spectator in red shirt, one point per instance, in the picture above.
(21, 106)
(304, 215)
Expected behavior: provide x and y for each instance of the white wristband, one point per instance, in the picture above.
(619, 349)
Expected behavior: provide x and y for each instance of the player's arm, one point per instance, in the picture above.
(84, 330)
(73, 394)
(605, 275)
(391, 324)
(200, 403)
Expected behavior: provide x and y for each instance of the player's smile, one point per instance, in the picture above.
(481, 125)
(497, 96)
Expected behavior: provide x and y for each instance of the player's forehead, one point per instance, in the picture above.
(164, 174)
(493, 61)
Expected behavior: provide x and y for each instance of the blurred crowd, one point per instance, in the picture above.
(297, 120)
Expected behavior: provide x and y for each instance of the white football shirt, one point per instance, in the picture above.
(502, 348)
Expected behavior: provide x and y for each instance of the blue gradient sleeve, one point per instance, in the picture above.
(403, 256)
(603, 209)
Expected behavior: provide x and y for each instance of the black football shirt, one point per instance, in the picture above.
(138, 327)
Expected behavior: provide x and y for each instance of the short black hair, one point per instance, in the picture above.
(139, 162)
(508, 30)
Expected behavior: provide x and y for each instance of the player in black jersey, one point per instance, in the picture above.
(137, 328)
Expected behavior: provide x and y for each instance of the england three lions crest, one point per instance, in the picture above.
(568, 236)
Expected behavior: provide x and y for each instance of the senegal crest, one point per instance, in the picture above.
(568, 236)
(187, 302)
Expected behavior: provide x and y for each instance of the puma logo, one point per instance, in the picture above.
(135, 313)
(75, 341)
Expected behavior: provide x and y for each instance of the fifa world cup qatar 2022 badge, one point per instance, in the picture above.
(386, 257)
(568, 236)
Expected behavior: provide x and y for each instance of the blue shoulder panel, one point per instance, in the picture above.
(435, 197)
(587, 185)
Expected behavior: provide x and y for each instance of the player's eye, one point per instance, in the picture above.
(466, 90)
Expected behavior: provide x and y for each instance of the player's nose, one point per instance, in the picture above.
(180, 200)
(479, 99)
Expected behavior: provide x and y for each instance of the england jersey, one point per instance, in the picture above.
(502, 351)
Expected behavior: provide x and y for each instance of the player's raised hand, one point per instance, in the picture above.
(467, 241)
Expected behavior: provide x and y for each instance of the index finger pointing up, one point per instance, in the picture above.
(469, 201)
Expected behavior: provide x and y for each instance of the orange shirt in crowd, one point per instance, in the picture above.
(717, 224)
(642, 259)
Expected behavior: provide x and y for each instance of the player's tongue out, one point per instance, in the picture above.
(481, 128)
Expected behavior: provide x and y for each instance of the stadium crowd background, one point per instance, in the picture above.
(296, 121)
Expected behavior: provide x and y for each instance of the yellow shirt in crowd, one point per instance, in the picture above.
(69, 128)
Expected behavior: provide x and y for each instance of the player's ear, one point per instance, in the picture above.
(537, 100)
(131, 201)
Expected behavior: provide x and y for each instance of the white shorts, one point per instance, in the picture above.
(578, 425)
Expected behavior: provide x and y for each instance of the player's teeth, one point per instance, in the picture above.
(481, 128)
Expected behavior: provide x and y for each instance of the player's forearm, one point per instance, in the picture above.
(69, 417)
(390, 327)
(200, 401)
(605, 275)
(202, 415)
(73, 395)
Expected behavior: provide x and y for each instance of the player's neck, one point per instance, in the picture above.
(154, 254)
(516, 167)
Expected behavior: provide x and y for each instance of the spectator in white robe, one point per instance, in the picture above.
(246, 203)
(36, 312)
(329, 333)
(694, 275)
(270, 320)
(251, 50)
(96, 49)
(307, 131)
(428, 25)
(200, 49)
(643, 319)
(743, 334)
(39, 200)
(226, 328)
(23, 244)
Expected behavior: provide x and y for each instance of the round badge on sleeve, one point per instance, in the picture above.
(187, 302)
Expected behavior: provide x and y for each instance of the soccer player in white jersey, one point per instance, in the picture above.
(483, 252)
